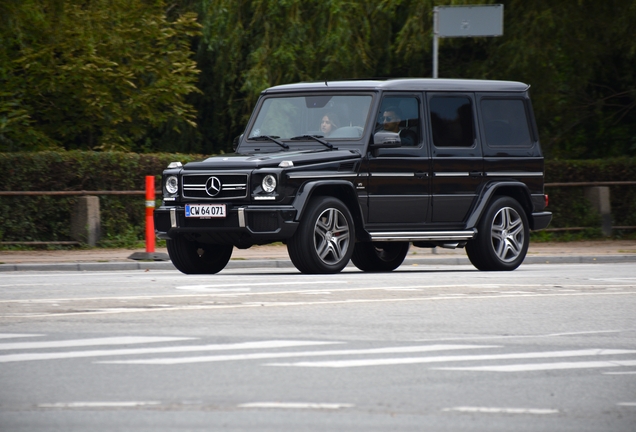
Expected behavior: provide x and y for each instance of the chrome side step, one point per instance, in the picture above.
(424, 235)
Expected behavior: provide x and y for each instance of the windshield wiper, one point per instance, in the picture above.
(316, 138)
(269, 138)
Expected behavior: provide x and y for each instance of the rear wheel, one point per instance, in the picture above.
(379, 256)
(502, 238)
(191, 257)
(323, 242)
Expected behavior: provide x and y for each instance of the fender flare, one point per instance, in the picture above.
(486, 196)
(307, 190)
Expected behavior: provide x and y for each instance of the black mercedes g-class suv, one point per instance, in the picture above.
(360, 170)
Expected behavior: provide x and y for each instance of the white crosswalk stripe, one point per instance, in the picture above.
(162, 350)
(260, 356)
(17, 335)
(545, 366)
(126, 340)
(439, 356)
(442, 359)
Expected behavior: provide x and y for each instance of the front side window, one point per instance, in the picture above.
(401, 115)
(452, 122)
(328, 116)
(505, 123)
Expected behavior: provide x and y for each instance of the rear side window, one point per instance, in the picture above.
(452, 121)
(505, 123)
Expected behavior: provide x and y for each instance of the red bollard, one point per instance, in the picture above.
(150, 227)
(150, 209)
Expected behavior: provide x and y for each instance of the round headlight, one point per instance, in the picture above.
(172, 185)
(269, 183)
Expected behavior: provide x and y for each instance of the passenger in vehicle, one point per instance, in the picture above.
(329, 124)
(391, 119)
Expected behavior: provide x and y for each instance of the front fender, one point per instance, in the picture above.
(309, 189)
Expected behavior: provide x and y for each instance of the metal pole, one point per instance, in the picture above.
(435, 41)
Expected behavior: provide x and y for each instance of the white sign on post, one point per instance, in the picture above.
(465, 21)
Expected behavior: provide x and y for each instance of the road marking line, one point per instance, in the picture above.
(125, 340)
(213, 289)
(18, 335)
(627, 404)
(98, 404)
(260, 356)
(469, 338)
(296, 405)
(531, 367)
(39, 284)
(216, 286)
(304, 291)
(440, 359)
(620, 373)
(179, 349)
(106, 311)
(489, 410)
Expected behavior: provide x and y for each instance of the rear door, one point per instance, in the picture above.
(510, 142)
(457, 164)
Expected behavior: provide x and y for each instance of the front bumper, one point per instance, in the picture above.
(244, 225)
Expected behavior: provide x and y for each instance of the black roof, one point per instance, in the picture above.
(405, 84)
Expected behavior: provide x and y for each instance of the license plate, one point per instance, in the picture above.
(205, 210)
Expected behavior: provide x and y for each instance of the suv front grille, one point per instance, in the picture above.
(215, 186)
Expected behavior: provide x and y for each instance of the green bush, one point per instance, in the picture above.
(47, 218)
(568, 205)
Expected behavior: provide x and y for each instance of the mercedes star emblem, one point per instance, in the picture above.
(213, 186)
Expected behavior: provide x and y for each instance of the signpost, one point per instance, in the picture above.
(465, 21)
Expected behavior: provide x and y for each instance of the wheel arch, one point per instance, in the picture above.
(341, 189)
(516, 190)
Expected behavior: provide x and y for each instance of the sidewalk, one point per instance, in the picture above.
(600, 251)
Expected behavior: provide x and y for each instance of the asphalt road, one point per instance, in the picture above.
(546, 347)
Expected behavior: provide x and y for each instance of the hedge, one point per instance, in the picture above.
(568, 204)
(46, 218)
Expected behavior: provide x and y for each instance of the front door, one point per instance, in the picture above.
(398, 178)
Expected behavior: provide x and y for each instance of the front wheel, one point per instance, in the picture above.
(191, 257)
(502, 238)
(379, 256)
(323, 242)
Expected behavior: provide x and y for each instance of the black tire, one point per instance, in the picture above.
(324, 240)
(503, 236)
(379, 256)
(191, 257)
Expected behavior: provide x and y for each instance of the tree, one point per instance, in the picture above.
(579, 58)
(249, 45)
(101, 74)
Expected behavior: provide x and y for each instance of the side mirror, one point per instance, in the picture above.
(385, 139)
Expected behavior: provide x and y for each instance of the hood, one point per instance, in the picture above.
(262, 160)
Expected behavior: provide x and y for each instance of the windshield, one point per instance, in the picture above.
(328, 116)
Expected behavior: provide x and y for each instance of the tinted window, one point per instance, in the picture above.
(452, 121)
(505, 123)
(402, 116)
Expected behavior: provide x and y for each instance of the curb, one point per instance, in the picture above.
(286, 263)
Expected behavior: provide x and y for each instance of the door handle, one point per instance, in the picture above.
(476, 174)
(420, 174)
